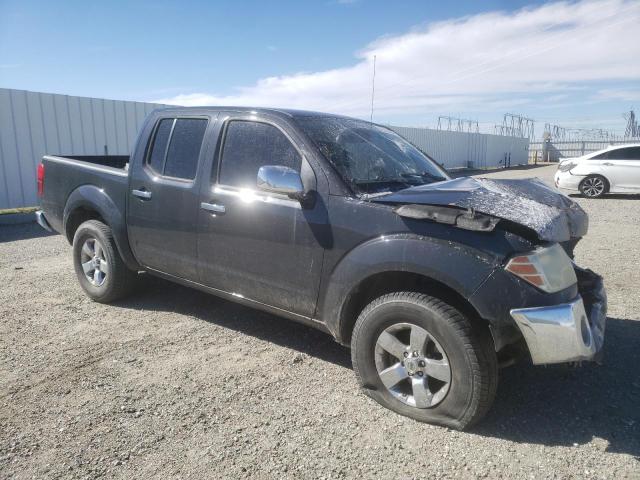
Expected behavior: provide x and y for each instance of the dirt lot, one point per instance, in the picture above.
(174, 383)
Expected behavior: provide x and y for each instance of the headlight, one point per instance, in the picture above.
(549, 268)
(565, 167)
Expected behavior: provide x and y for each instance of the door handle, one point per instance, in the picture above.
(142, 194)
(608, 164)
(212, 207)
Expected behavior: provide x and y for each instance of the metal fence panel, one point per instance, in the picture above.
(33, 124)
(552, 151)
(467, 150)
(9, 148)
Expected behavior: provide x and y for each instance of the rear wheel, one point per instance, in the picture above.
(594, 186)
(101, 272)
(420, 357)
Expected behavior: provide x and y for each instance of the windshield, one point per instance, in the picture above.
(371, 158)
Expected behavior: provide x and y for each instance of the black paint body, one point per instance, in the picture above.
(304, 261)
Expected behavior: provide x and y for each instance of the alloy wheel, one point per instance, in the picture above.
(94, 262)
(593, 187)
(412, 365)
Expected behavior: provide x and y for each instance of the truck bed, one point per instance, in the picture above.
(71, 175)
(115, 161)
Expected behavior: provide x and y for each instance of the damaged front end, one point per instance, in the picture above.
(568, 332)
(465, 219)
(536, 296)
(528, 208)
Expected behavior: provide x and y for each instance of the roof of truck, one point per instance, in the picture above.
(287, 112)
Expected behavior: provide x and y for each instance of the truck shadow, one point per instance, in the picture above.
(553, 406)
(158, 294)
(22, 231)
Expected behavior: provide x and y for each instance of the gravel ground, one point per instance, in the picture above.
(174, 383)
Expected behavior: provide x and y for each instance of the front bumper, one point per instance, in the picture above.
(567, 332)
(567, 181)
(42, 221)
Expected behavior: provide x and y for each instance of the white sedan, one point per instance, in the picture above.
(615, 169)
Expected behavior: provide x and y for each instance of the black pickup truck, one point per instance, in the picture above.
(345, 226)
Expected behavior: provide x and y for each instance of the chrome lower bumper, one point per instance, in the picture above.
(568, 332)
(42, 221)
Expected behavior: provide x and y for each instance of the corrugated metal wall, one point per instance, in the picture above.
(33, 124)
(462, 150)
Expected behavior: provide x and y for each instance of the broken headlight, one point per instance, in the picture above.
(548, 268)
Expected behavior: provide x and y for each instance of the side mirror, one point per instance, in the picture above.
(280, 179)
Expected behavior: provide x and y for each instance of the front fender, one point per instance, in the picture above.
(94, 198)
(459, 267)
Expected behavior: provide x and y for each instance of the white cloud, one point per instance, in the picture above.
(627, 95)
(474, 63)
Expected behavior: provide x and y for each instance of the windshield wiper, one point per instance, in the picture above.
(436, 178)
(387, 186)
(369, 196)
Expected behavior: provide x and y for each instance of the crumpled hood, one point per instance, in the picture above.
(551, 215)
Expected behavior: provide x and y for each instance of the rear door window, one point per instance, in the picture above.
(184, 148)
(629, 153)
(184, 138)
(249, 145)
(159, 147)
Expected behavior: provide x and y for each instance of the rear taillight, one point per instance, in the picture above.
(40, 180)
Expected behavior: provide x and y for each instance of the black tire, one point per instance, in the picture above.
(118, 280)
(467, 347)
(594, 186)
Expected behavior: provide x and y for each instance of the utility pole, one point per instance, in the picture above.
(373, 88)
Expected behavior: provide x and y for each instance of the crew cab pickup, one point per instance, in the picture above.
(345, 226)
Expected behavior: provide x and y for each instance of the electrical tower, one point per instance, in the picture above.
(517, 126)
(555, 132)
(455, 124)
(633, 129)
(585, 134)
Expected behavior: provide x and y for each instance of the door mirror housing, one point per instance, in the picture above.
(281, 179)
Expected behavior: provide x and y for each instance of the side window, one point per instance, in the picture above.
(250, 145)
(629, 153)
(159, 148)
(184, 148)
(184, 139)
(635, 153)
(602, 156)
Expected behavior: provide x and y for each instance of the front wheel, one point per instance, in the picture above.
(101, 272)
(421, 358)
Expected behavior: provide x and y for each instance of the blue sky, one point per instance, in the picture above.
(564, 63)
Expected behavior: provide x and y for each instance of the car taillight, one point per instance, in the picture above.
(40, 180)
